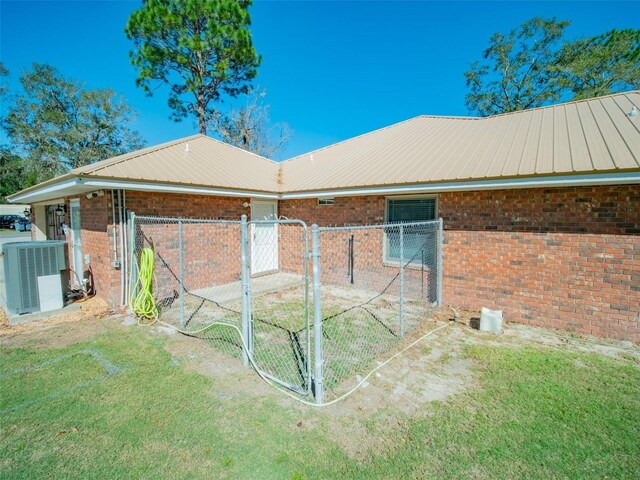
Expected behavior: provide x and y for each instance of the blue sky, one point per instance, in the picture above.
(332, 70)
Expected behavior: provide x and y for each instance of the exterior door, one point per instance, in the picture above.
(264, 237)
(76, 240)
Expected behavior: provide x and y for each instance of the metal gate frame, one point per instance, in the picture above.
(247, 316)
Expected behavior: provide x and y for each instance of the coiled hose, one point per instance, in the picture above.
(144, 305)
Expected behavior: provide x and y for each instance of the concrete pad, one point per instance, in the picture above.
(262, 285)
(15, 319)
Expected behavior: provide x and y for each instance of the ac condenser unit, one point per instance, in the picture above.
(24, 262)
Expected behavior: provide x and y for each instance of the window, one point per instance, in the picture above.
(326, 201)
(419, 241)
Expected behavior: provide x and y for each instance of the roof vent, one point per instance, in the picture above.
(633, 112)
(186, 148)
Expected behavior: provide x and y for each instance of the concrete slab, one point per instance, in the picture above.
(262, 285)
(15, 319)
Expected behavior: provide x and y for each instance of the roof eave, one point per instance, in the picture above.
(616, 177)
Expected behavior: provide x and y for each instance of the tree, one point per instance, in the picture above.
(248, 127)
(14, 174)
(57, 124)
(518, 70)
(201, 49)
(3, 73)
(601, 65)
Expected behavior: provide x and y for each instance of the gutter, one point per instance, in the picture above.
(594, 179)
(134, 185)
(465, 186)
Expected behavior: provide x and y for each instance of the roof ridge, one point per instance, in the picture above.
(239, 148)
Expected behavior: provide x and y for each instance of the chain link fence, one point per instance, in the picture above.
(378, 283)
(244, 287)
(197, 275)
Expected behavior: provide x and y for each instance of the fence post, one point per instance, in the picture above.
(402, 280)
(440, 245)
(180, 250)
(244, 286)
(317, 316)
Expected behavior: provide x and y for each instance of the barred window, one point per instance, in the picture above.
(417, 239)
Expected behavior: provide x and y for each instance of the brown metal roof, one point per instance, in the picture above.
(588, 136)
(196, 160)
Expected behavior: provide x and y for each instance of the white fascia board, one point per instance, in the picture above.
(169, 188)
(500, 184)
(56, 187)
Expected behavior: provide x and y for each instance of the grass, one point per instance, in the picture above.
(531, 413)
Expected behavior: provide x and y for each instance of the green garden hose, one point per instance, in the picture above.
(144, 305)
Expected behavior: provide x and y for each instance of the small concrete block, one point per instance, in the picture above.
(129, 321)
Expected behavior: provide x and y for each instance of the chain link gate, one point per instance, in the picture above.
(278, 301)
(244, 286)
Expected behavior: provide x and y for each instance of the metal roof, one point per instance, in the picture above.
(196, 160)
(594, 135)
(589, 136)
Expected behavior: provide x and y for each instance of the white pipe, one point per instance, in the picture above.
(121, 247)
(125, 251)
(113, 227)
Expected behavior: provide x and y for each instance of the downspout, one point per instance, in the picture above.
(113, 229)
(125, 251)
(121, 246)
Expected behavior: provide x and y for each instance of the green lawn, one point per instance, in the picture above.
(120, 406)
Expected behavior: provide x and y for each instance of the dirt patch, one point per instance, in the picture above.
(197, 355)
(515, 334)
(91, 311)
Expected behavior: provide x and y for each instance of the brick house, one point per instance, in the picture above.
(541, 208)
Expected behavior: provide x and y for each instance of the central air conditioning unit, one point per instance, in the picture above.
(32, 272)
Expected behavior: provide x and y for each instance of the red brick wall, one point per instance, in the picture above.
(211, 251)
(97, 242)
(367, 210)
(565, 258)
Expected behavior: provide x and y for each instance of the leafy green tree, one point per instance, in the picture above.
(57, 124)
(3, 73)
(201, 49)
(14, 174)
(601, 65)
(518, 70)
(533, 66)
